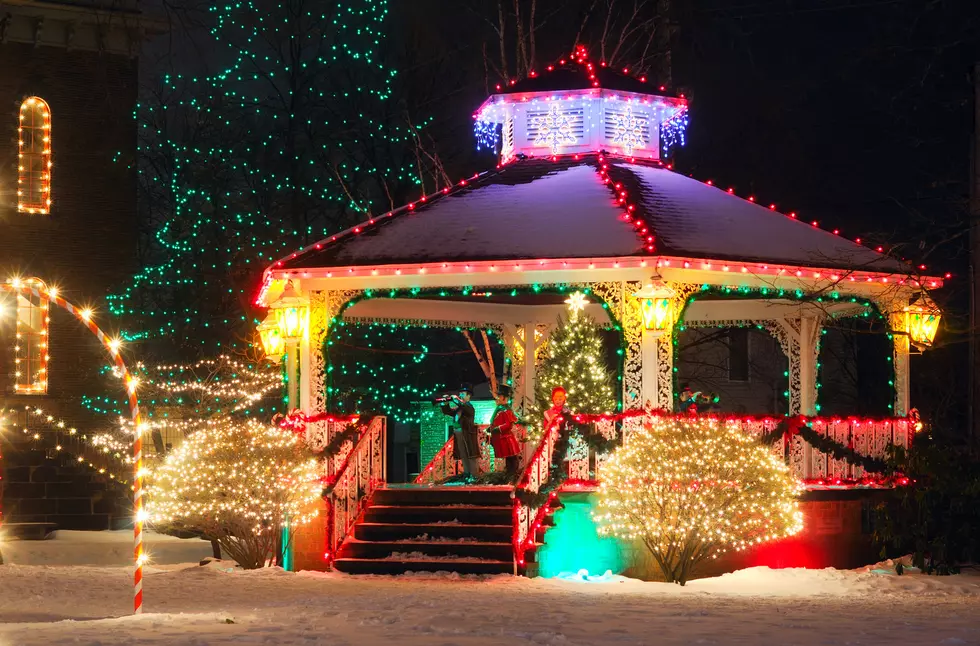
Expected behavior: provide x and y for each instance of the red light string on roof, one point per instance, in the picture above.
(580, 56)
(630, 215)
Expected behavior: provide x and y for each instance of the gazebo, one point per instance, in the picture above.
(582, 199)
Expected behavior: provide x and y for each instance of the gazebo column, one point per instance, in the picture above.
(900, 359)
(324, 306)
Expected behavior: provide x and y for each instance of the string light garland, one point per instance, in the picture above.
(240, 483)
(34, 157)
(33, 323)
(692, 490)
(104, 445)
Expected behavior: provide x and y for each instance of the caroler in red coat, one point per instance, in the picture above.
(503, 439)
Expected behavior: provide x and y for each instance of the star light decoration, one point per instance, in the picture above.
(554, 129)
(629, 131)
(576, 303)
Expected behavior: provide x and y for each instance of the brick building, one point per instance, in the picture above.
(68, 88)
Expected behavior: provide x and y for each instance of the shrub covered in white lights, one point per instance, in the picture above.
(239, 483)
(691, 489)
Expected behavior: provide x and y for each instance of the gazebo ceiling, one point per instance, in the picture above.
(567, 208)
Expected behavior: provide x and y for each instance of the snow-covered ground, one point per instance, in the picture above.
(216, 604)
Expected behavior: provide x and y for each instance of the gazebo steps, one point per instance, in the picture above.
(394, 565)
(405, 531)
(461, 529)
(460, 513)
(463, 548)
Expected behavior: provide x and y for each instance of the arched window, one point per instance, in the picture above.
(34, 157)
(31, 348)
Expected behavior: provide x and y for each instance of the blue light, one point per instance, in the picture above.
(673, 132)
(487, 135)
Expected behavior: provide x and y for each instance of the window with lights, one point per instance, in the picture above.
(31, 348)
(34, 157)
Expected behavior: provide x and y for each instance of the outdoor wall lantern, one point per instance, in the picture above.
(922, 318)
(272, 341)
(655, 303)
(292, 315)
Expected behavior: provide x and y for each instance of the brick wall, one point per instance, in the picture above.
(309, 543)
(86, 246)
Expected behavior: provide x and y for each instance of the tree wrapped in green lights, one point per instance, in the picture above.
(575, 361)
(297, 136)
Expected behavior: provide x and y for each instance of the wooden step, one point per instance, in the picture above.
(465, 514)
(501, 551)
(434, 496)
(372, 531)
(401, 566)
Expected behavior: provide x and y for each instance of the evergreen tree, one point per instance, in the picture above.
(296, 137)
(575, 362)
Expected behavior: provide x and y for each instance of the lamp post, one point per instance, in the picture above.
(292, 315)
(656, 306)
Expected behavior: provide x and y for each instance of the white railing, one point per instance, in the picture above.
(527, 517)
(445, 465)
(362, 472)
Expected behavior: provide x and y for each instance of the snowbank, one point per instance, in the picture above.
(220, 605)
(102, 548)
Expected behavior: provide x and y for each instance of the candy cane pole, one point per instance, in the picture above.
(112, 346)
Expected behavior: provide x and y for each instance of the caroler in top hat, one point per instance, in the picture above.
(466, 447)
(503, 438)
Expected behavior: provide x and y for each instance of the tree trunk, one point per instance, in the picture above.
(974, 220)
(665, 36)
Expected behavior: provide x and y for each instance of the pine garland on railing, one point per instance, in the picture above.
(795, 425)
(351, 433)
(557, 474)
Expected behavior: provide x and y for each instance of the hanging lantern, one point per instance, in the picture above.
(292, 315)
(272, 341)
(922, 318)
(655, 304)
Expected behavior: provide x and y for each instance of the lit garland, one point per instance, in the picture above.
(239, 483)
(105, 446)
(692, 490)
(209, 387)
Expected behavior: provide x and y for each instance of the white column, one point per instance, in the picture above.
(809, 336)
(293, 375)
(649, 375)
(304, 365)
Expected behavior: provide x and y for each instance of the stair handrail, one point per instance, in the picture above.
(443, 464)
(527, 518)
(361, 474)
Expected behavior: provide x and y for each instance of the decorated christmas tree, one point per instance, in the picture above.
(297, 136)
(691, 490)
(576, 361)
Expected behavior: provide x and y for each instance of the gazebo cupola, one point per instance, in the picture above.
(578, 106)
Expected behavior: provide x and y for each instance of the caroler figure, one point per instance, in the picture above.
(558, 399)
(503, 424)
(467, 445)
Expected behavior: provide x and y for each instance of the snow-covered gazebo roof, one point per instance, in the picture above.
(581, 192)
(540, 208)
